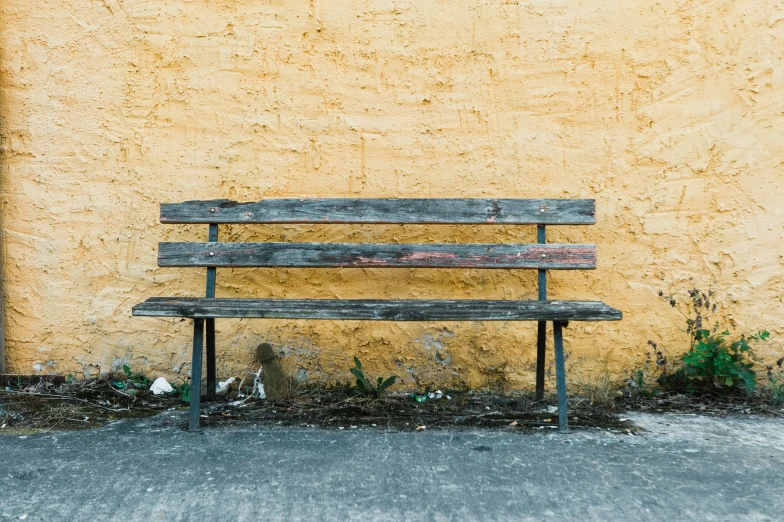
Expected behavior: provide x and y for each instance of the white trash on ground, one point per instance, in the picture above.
(160, 386)
(223, 387)
(258, 386)
(257, 392)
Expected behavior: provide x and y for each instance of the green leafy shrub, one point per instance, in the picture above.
(184, 391)
(714, 362)
(365, 387)
(138, 379)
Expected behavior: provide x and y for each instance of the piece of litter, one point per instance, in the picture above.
(421, 428)
(22, 517)
(435, 395)
(552, 409)
(4, 425)
(353, 427)
(160, 386)
(513, 423)
(149, 489)
(371, 425)
(448, 398)
(258, 386)
(341, 427)
(223, 387)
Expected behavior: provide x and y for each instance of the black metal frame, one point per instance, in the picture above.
(541, 348)
(198, 338)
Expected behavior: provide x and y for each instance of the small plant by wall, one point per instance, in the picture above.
(717, 362)
(364, 386)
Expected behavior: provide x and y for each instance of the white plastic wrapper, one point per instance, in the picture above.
(160, 386)
(223, 387)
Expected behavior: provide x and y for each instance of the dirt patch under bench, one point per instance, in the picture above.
(29, 405)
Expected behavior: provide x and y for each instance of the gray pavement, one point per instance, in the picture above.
(681, 468)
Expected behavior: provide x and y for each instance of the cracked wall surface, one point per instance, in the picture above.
(669, 113)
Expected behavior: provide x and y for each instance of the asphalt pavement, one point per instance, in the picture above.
(679, 468)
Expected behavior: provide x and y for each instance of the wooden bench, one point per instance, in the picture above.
(539, 256)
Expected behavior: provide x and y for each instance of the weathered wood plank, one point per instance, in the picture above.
(363, 255)
(435, 211)
(379, 310)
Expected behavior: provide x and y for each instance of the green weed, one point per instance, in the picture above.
(365, 387)
(138, 379)
(184, 391)
(714, 363)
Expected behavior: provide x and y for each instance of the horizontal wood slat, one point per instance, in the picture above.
(441, 211)
(363, 255)
(379, 310)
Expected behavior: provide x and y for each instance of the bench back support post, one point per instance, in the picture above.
(211, 270)
(541, 238)
(541, 337)
(212, 372)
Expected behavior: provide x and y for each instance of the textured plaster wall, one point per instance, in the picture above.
(669, 113)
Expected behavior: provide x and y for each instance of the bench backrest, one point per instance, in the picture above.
(540, 256)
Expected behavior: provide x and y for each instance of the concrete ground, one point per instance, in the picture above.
(681, 468)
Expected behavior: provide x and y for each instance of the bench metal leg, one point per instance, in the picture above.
(541, 344)
(198, 341)
(560, 377)
(212, 378)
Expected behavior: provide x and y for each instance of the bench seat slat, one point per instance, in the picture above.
(366, 255)
(424, 211)
(379, 310)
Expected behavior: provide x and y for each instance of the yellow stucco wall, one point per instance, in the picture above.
(669, 113)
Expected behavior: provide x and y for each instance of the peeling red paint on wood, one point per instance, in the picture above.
(418, 256)
(315, 255)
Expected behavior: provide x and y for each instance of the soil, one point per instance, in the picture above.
(713, 405)
(32, 405)
(42, 404)
(340, 409)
